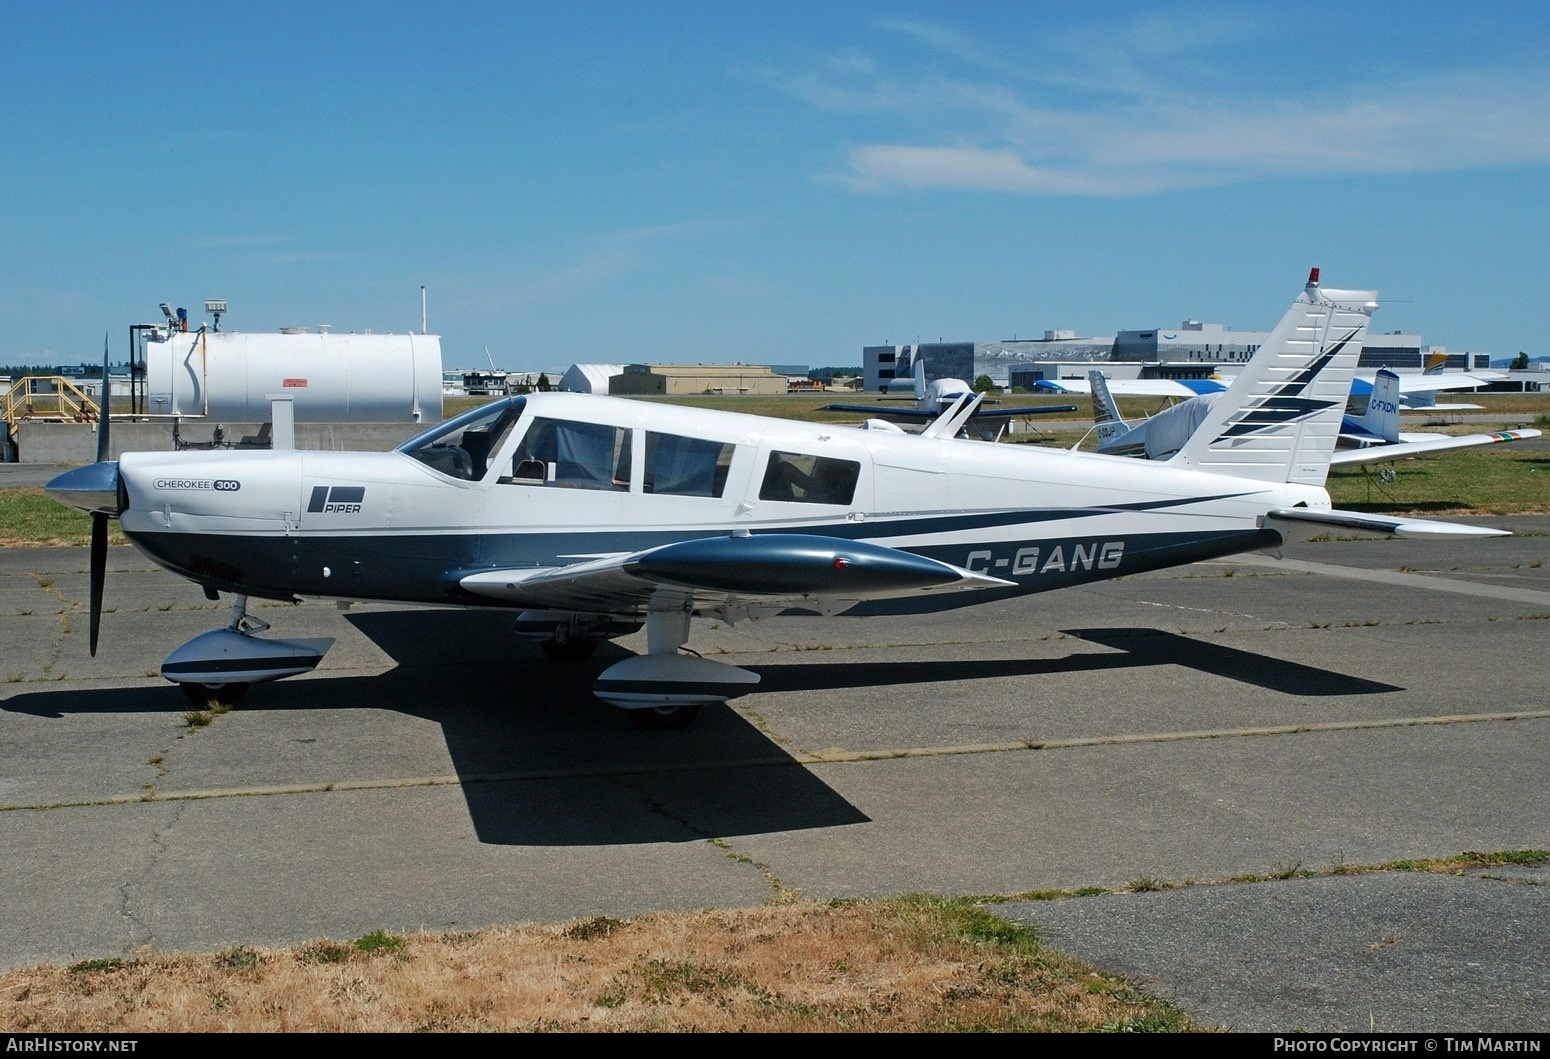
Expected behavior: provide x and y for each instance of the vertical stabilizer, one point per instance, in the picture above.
(1108, 424)
(1279, 419)
(1382, 416)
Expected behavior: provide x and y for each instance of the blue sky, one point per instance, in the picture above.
(786, 183)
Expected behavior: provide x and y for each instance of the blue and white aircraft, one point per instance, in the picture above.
(1182, 389)
(1375, 437)
(590, 517)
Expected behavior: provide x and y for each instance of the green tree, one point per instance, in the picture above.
(544, 385)
(984, 384)
(1519, 362)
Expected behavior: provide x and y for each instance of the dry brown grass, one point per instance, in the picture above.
(902, 965)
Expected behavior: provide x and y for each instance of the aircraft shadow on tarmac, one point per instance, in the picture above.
(1136, 648)
(542, 762)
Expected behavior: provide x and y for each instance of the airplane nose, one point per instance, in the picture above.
(90, 488)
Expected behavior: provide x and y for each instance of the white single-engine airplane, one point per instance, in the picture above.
(592, 516)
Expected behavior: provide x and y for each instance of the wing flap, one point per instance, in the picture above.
(784, 569)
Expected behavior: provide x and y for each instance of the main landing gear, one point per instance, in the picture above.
(664, 689)
(661, 689)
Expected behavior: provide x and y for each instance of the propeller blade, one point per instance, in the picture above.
(99, 565)
(107, 399)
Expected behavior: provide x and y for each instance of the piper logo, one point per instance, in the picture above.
(336, 499)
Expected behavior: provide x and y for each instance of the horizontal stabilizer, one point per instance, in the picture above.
(1300, 523)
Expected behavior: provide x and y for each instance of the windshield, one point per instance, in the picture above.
(462, 446)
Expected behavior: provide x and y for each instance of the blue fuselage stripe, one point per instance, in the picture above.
(426, 568)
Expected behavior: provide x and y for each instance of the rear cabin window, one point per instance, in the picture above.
(794, 476)
(577, 455)
(680, 466)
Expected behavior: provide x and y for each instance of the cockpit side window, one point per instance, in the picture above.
(578, 455)
(680, 466)
(462, 446)
(804, 479)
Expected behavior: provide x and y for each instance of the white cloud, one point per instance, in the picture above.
(1107, 119)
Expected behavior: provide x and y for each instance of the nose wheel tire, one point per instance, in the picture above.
(202, 695)
(661, 718)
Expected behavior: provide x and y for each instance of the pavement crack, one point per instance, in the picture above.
(780, 889)
(141, 933)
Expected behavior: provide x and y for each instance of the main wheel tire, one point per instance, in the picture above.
(202, 695)
(662, 718)
(569, 650)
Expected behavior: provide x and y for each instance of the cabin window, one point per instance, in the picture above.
(680, 466)
(577, 455)
(462, 447)
(805, 479)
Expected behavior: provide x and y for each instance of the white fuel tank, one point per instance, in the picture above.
(338, 378)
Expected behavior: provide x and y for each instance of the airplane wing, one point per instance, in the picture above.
(1417, 384)
(1183, 388)
(1440, 443)
(1008, 413)
(877, 409)
(767, 569)
(922, 414)
(1436, 383)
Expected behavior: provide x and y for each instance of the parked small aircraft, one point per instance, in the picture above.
(1374, 438)
(938, 396)
(590, 517)
(1418, 392)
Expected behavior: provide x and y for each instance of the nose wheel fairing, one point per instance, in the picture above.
(227, 656)
(222, 660)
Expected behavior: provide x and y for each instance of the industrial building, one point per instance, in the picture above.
(1193, 350)
(661, 379)
(880, 365)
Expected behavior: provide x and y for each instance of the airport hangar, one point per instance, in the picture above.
(1193, 350)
